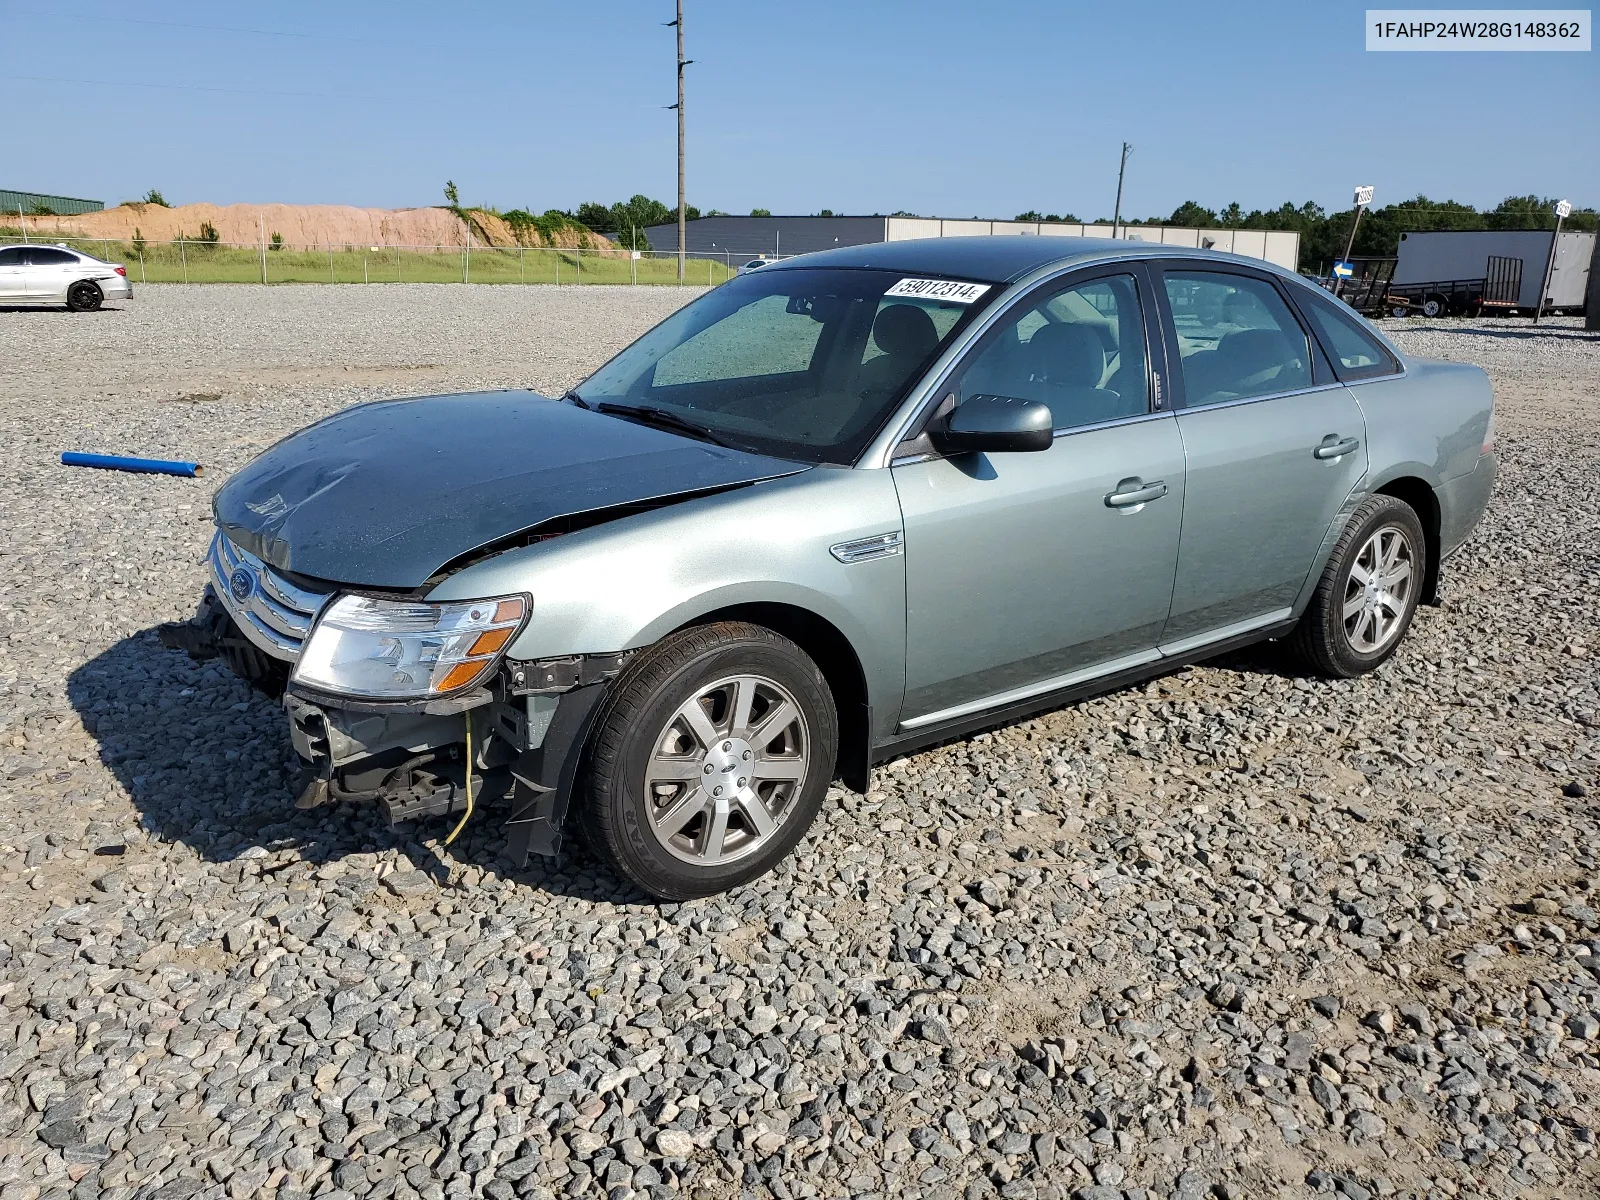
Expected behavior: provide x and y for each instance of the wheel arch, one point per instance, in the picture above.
(835, 656)
(74, 285)
(1419, 495)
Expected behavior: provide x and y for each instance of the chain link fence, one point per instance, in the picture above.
(189, 260)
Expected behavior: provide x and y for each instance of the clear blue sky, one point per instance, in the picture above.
(943, 108)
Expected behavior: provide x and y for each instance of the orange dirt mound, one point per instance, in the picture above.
(304, 225)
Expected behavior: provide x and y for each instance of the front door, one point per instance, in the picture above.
(1028, 571)
(1274, 448)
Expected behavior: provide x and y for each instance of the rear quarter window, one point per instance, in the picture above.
(1354, 352)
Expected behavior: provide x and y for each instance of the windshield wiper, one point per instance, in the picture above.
(647, 414)
(572, 394)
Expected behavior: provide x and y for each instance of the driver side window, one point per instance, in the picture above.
(1080, 352)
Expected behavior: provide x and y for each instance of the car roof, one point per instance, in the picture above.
(998, 258)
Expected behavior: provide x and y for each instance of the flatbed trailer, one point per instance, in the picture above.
(1373, 292)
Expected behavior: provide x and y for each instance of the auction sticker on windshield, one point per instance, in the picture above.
(939, 289)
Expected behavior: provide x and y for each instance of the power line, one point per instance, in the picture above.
(181, 87)
(319, 37)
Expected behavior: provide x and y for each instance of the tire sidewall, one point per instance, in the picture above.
(621, 788)
(1351, 660)
(84, 297)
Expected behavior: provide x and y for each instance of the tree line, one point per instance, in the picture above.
(1323, 234)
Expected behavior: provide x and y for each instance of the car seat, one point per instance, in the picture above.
(1067, 363)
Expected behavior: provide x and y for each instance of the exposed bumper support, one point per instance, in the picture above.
(544, 776)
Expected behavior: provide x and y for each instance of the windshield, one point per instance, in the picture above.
(802, 363)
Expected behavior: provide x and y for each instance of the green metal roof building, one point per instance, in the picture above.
(29, 203)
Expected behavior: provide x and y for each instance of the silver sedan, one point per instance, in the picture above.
(841, 507)
(49, 275)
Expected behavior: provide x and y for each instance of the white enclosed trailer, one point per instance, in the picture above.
(1464, 254)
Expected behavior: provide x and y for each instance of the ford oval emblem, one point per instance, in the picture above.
(242, 583)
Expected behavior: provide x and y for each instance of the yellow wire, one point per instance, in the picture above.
(466, 816)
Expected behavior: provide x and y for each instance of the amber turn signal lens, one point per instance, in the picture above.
(490, 642)
(460, 675)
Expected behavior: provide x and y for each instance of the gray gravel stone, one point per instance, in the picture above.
(1127, 948)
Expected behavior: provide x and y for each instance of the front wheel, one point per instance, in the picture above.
(712, 756)
(1368, 592)
(1435, 306)
(83, 296)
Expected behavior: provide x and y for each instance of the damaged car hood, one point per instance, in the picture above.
(386, 494)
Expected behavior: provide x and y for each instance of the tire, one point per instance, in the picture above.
(1398, 310)
(1328, 641)
(1435, 306)
(649, 808)
(84, 296)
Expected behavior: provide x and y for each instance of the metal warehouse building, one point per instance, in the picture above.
(733, 238)
(27, 202)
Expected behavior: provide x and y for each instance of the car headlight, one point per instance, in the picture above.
(405, 650)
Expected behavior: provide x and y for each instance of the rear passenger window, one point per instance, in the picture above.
(43, 256)
(1236, 337)
(1356, 353)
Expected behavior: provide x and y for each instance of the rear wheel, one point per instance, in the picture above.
(83, 296)
(711, 760)
(1368, 592)
(1435, 306)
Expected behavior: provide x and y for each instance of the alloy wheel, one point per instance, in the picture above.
(1378, 591)
(726, 770)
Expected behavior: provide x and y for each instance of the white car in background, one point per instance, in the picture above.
(47, 275)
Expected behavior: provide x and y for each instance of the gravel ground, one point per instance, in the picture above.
(1231, 934)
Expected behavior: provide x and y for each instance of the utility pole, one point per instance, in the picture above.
(1116, 217)
(682, 63)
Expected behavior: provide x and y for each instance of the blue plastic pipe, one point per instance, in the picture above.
(116, 462)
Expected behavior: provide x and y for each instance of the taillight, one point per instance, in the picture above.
(123, 271)
(1488, 436)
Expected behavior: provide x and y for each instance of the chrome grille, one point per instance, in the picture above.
(272, 612)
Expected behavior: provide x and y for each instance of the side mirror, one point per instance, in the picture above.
(994, 423)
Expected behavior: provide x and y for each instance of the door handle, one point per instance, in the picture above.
(1333, 446)
(1130, 493)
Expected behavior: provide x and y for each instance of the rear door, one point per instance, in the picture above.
(1026, 572)
(13, 288)
(1274, 446)
(48, 272)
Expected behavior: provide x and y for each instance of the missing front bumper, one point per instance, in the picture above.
(530, 728)
(413, 765)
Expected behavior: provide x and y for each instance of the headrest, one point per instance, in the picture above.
(904, 329)
(1240, 307)
(1067, 354)
(1252, 350)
